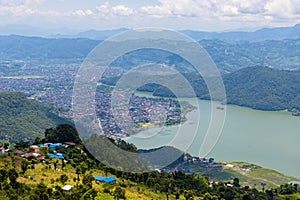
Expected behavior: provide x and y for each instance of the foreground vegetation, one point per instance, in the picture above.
(32, 179)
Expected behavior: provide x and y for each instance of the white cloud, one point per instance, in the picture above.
(79, 12)
(177, 8)
(163, 13)
(33, 2)
(103, 9)
(279, 9)
(122, 10)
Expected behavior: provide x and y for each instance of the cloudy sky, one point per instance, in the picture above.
(210, 15)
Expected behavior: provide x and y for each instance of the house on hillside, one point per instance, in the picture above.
(35, 148)
(67, 188)
(109, 180)
(57, 156)
(55, 146)
(30, 156)
(70, 143)
(19, 153)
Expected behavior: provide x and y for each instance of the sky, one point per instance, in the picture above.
(206, 15)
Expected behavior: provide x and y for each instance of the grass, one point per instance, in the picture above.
(292, 196)
(50, 177)
(253, 175)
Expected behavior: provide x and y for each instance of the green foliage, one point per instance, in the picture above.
(88, 179)
(3, 175)
(189, 186)
(22, 145)
(260, 88)
(13, 175)
(21, 117)
(188, 194)
(236, 182)
(41, 192)
(62, 133)
(24, 165)
(63, 178)
(119, 193)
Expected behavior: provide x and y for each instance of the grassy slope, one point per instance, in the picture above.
(250, 174)
(48, 176)
(134, 191)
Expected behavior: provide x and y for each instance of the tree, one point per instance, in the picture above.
(88, 179)
(55, 164)
(43, 151)
(119, 193)
(37, 140)
(270, 194)
(24, 165)
(229, 194)
(6, 145)
(82, 168)
(13, 175)
(208, 196)
(236, 182)
(63, 178)
(188, 194)
(41, 192)
(22, 144)
(62, 133)
(3, 175)
(63, 164)
(11, 194)
(177, 195)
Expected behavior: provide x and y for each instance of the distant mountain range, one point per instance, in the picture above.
(92, 34)
(229, 57)
(229, 36)
(277, 33)
(259, 35)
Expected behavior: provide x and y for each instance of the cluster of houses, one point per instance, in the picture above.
(186, 167)
(35, 151)
(142, 111)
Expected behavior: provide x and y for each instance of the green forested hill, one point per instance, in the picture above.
(228, 56)
(21, 117)
(263, 88)
(260, 88)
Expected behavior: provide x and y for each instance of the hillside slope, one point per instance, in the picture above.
(21, 117)
(263, 88)
(260, 88)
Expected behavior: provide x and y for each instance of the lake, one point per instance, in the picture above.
(266, 138)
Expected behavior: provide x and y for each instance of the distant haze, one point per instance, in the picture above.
(279, 33)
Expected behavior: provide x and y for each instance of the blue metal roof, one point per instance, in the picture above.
(55, 156)
(106, 180)
(54, 146)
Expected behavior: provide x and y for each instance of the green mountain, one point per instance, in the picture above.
(24, 118)
(260, 88)
(27, 48)
(263, 88)
(228, 56)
